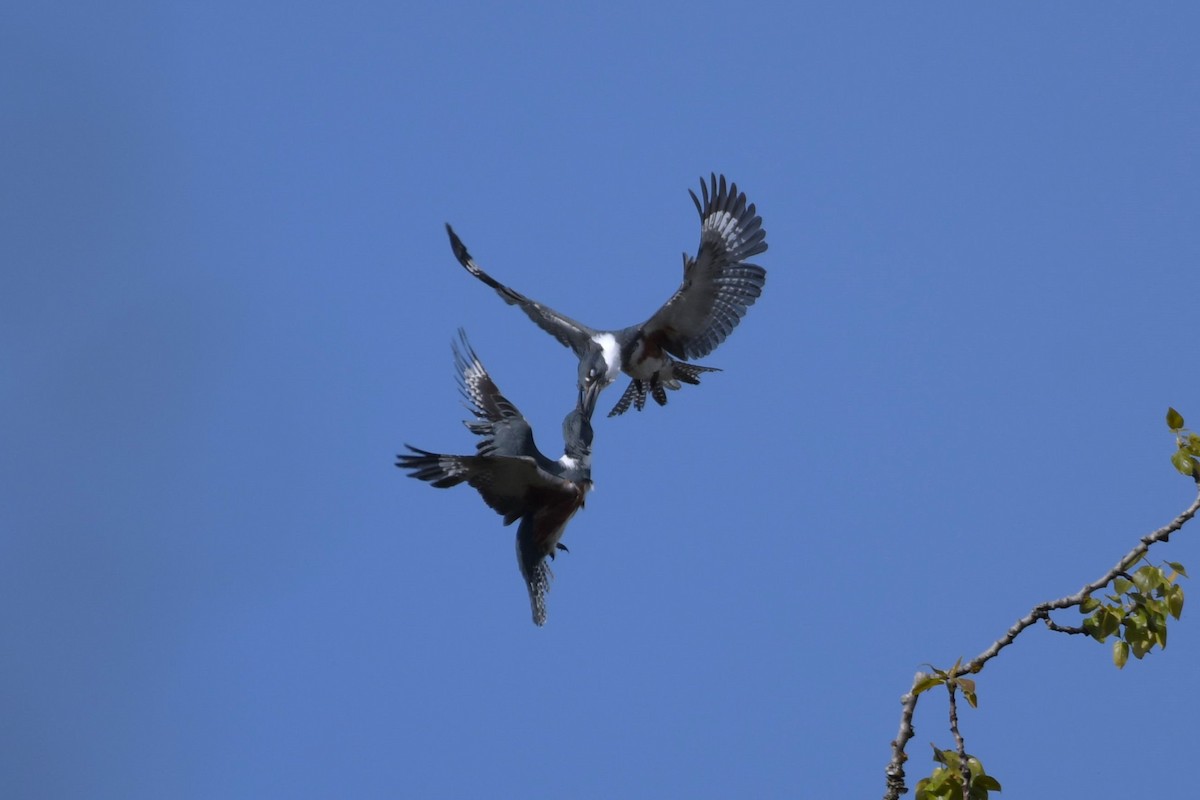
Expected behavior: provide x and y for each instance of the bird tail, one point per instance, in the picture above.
(533, 561)
(635, 394)
(442, 471)
(538, 584)
(679, 372)
(690, 373)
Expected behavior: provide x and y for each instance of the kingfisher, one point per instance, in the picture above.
(511, 474)
(719, 285)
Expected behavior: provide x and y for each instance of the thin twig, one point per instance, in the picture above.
(895, 767)
(1071, 629)
(963, 769)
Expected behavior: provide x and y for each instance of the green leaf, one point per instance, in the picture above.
(968, 689)
(935, 787)
(1110, 623)
(926, 683)
(1090, 604)
(1175, 565)
(1193, 443)
(1175, 601)
(1148, 578)
(1122, 585)
(1174, 419)
(987, 782)
(1183, 462)
(937, 780)
(1104, 623)
(1120, 653)
(1140, 645)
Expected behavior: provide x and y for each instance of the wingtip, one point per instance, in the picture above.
(456, 244)
(403, 459)
(464, 354)
(412, 452)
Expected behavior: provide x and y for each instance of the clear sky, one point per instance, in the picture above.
(228, 300)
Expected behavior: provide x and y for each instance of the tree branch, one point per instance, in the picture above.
(895, 767)
(1043, 610)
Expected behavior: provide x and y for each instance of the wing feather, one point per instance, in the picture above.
(719, 285)
(567, 331)
(505, 483)
(501, 427)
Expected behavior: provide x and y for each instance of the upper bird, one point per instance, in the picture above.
(718, 286)
(511, 474)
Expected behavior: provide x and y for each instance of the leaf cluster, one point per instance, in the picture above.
(946, 782)
(1187, 457)
(952, 677)
(1137, 610)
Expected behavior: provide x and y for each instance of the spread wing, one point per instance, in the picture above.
(718, 284)
(511, 486)
(567, 331)
(502, 429)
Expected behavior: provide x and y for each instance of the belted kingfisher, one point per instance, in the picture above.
(511, 474)
(718, 286)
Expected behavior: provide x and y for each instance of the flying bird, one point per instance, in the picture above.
(511, 474)
(718, 286)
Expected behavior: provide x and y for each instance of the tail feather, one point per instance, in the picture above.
(657, 391)
(690, 373)
(441, 471)
(635, 394)
(531, 559)
(539, 585)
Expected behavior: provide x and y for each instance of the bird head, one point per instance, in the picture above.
(593, 377)
(577, 437)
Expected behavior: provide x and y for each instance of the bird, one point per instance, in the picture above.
(718, 286)
(511, 473)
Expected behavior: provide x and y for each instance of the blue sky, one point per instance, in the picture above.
(229, 301)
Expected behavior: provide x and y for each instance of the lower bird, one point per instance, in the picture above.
(719, 285)
(511, 474)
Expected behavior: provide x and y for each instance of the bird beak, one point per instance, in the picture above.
(587, 398)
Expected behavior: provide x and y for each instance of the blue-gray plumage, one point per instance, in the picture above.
(511, 474)
(718, 286)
